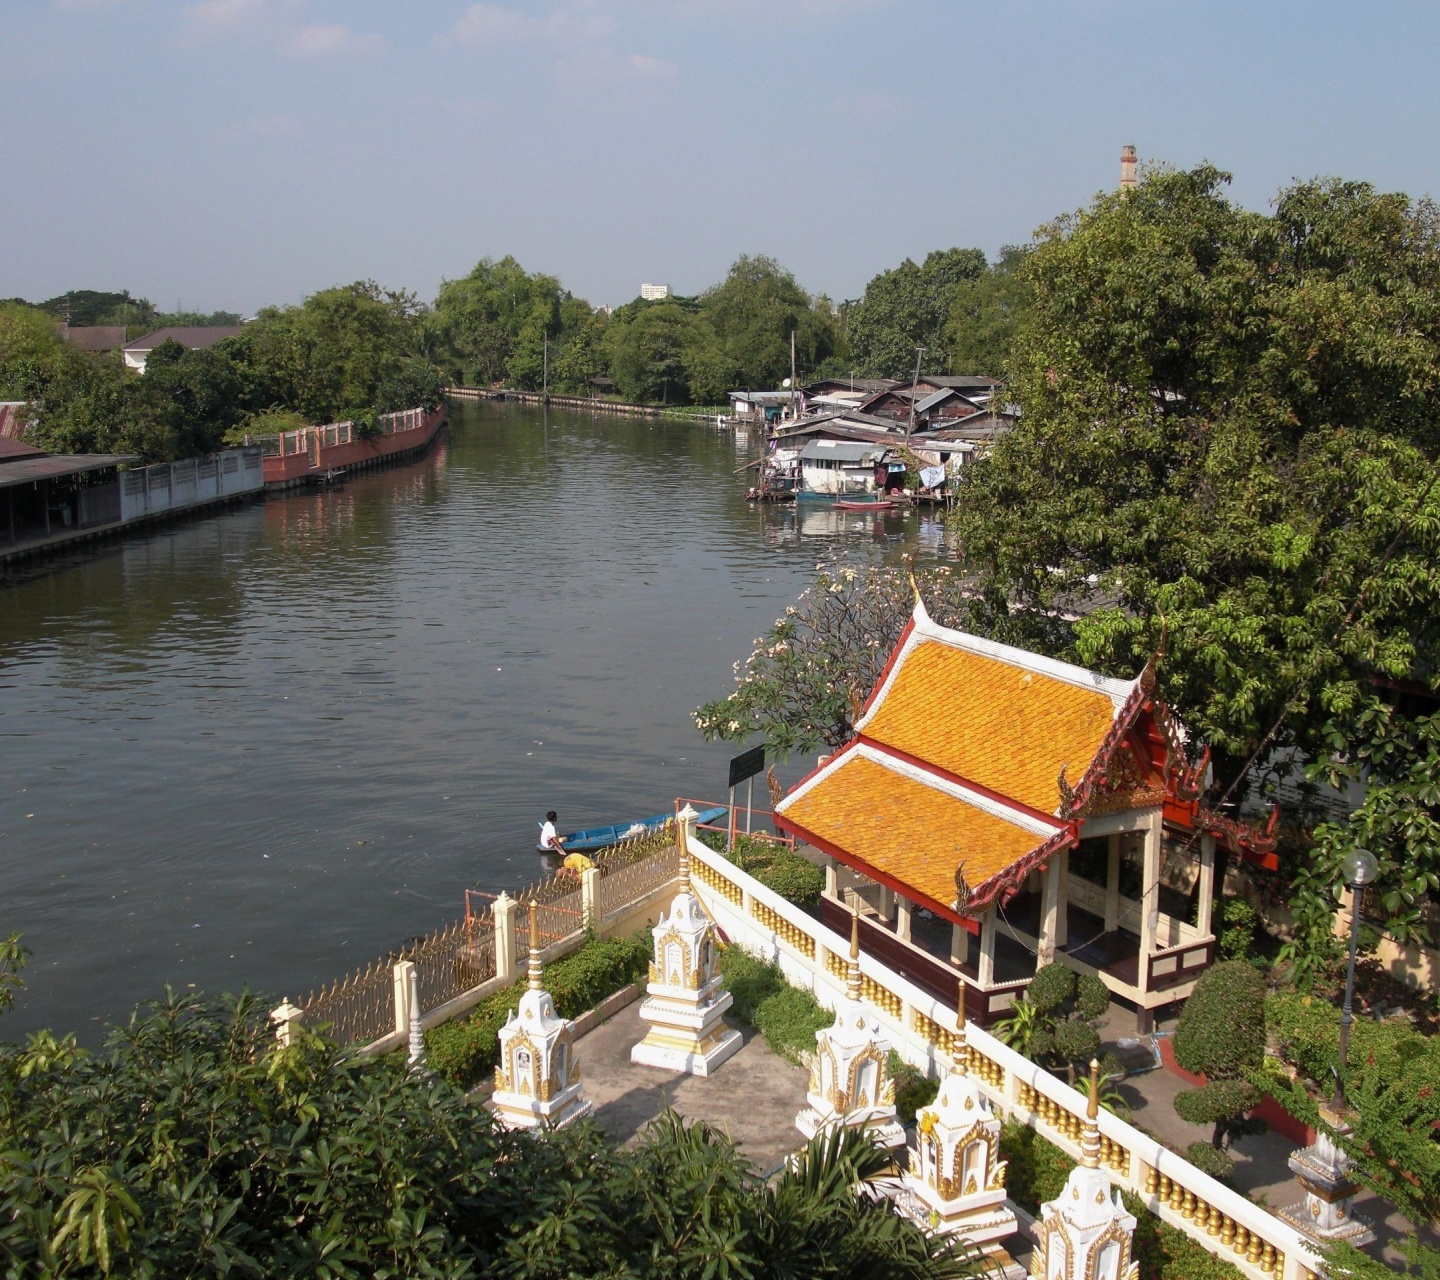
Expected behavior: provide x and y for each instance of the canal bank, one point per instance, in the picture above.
(260, 748)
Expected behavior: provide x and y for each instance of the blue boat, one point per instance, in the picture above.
(592, 838)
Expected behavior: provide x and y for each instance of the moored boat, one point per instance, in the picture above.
(591, 838)
(863, 504)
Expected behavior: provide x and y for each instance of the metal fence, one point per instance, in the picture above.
(357, 1008)
(460, 956)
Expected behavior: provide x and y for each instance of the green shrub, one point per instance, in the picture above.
(789, 1020)
(1209, 1159)
(1239, 920)
(462, 1050)
(791, 876)
(1167, 1253)
(913, 1089)
(1221, 1032)
(1037, 1167)
(786, 1016)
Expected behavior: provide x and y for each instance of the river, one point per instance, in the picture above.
(264, 746)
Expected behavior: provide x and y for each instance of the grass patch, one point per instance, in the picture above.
(463, 1050)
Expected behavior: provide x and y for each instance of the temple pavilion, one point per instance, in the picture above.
(997, 810)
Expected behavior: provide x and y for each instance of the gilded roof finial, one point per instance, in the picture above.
(684, 870)
(852, 974)
(961, 1050)
(914, 585)
(1090, 1140)
(534, 970)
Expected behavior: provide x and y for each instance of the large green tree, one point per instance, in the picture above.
(755, 310)
(1226, 452)
(986, 313)
(906, 307)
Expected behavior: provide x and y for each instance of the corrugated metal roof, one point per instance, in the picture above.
(51, 466)
(841, 451)
(13, 450)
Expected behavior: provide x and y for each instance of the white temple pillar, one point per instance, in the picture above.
(1062, 912)
(1205, 917)
(985, 971)
(287, 1018)
(1049, 913)
(503, 914)
(1150, 898)
(1112, 885)
(886, 906)
(959, 944)
(832, 878)
(400, 990)
(902, 917)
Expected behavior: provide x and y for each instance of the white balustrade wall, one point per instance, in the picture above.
(813, 957)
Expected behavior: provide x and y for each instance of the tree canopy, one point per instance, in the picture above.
(906, 307)
(1225, 452)
(194, 1144)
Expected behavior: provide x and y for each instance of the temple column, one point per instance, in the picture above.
(832, 878)
(1205, 916)
(959, 944)
(902, 917)
(1112, 885)
(1149, 916)
(1049, 913)
(1062, 913)
(985, 971)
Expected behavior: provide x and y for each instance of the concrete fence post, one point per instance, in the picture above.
(286, 1018)
(400, 981)
(590, 898)
(504, 913)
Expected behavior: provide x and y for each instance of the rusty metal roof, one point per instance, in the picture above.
(54, 465)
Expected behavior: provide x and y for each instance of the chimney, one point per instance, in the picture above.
(1127, 168)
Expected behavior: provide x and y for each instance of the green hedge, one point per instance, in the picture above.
(463, 1050)
(778, 868)
(786, 1016)
(1037, 1173)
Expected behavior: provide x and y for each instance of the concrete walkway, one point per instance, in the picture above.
(753, 1097)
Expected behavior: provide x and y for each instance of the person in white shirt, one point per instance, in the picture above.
(550, 842)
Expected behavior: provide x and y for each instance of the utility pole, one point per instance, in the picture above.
(910, 426)
(793, 415)
(545, 375)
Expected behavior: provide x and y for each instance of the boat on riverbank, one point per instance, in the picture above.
(591, 838)
(866, 504)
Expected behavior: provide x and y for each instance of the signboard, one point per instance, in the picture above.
(747, 765)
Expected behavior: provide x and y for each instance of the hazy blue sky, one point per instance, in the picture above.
(230, 153)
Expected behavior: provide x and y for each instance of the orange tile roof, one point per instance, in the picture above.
(988, 721)
(915, 833)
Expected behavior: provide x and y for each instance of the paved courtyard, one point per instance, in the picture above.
(753, 1097)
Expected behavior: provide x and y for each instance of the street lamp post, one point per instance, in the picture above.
(1359, 868)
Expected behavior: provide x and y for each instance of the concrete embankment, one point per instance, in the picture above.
(311, 454)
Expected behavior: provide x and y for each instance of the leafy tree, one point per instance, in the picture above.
(1221, 1035)
(801, 685)
(497, 314)
(195, 1145)
(1227, 430)
(753, 312)
(986, 313)
(647, 353)
(203, 391)
(1057, 1026)
(906, 307)
(412, 383)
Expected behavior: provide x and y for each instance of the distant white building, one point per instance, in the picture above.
(654, 292)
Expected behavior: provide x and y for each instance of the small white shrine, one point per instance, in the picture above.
(686, 1002)
(537, 1084)
(850, 1082)
(956, 1181)
(1085, 1233)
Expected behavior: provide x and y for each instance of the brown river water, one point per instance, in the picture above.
(262, 747)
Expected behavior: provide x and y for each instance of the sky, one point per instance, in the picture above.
(230, 154)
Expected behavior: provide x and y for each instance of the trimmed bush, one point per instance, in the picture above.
(1221, 1032)
(779, 868)
(462, 1050)
(1037, 1167)
(1210, 1159)
(913, 1089)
